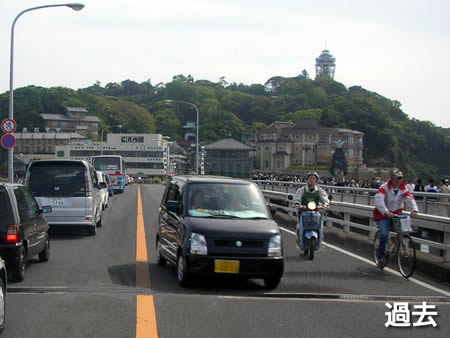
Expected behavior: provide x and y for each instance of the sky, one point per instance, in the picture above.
(399, 49)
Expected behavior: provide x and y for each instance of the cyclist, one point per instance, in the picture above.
(307, 193)
(389, 201)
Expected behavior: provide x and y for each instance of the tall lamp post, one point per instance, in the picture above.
(75, 7)
(198, 127)
(101, 134)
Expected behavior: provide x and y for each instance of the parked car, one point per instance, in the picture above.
(218, 226)
(104, 191)
(71, 188)
(23, 229)
(3, 288)
(110, 184)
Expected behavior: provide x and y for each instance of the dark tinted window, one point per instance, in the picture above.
(32, 206)
(22, 205)
(4, 203)
(57, 179)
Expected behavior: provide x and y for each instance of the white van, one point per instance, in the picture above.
(71, 188)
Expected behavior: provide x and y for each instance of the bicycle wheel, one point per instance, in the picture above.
(376, 252)
(406, 255)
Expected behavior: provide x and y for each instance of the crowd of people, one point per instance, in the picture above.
(373, 183)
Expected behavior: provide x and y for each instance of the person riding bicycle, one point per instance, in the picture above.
(389, 201)
(306, 194)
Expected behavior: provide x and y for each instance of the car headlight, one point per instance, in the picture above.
(274, 249)
(198, 244)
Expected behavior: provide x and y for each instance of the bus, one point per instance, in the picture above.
(114, 166)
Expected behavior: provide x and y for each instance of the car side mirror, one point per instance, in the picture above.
(102, 185)
(46, 209)
(272, 209)
(173, 206)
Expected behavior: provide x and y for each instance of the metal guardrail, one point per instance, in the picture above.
(427, 202)
(423, 221)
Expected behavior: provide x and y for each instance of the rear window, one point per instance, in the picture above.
(4, 203)
(57, 179)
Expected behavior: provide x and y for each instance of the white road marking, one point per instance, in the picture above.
(426, 285)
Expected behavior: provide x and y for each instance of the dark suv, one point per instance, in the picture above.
(23, 230)
(218, 226)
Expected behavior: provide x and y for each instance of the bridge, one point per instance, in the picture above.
(109, 285)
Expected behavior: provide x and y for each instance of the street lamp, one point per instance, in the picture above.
(198, 127)
(75, 7)
(101, 134)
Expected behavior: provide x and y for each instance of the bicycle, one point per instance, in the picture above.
(402, 246)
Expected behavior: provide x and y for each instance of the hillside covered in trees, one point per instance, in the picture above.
(391, 137)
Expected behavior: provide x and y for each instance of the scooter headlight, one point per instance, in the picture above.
(274, 249)
(312, 205)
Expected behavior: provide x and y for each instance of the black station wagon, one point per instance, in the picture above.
(23, 229)
(218, 226)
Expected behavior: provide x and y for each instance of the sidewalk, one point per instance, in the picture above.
(430, 265)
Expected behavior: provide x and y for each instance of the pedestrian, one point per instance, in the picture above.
(419, 188)
(443, 201)
(410, 185)
(430, 187)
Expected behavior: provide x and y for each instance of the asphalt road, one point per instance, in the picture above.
(88, 289)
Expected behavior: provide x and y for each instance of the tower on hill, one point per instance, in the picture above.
(325, 65)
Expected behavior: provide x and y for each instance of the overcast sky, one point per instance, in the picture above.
(399, 49)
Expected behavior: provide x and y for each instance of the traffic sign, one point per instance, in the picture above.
(8, 141)
(9, 126)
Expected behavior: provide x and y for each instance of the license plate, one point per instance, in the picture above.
(57, 202)
(226, 266)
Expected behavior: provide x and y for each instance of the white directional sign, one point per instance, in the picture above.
(9, 126)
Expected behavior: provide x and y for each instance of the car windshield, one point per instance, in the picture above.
(56, 179)
(226, 201)
(106, 163)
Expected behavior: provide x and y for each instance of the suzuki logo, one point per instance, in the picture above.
(238, 244)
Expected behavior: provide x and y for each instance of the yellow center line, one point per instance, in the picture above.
(145, 317)
(142, 273)
(146, 324)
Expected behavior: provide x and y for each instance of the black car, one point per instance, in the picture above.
(23, 229)
(218, 226)
(3, 287)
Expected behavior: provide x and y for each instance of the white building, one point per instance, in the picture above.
(144, 154)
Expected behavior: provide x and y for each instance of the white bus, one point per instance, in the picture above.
(114, 166)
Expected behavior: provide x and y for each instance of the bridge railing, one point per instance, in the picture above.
(427, 202)
(344, 214)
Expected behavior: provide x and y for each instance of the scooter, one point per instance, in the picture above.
(310, 223)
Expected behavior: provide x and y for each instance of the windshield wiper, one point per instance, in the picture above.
(257, 217)
(222, 216)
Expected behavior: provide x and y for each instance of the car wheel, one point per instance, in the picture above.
(99, 223)
(182, 276)
(272, 282)
(2, 305)
(18, 271)
(92, 230)
(160, 260)
(44, 255)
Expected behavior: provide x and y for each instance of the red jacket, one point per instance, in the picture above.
(387, 200)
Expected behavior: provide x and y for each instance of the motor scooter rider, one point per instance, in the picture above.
(306, 194)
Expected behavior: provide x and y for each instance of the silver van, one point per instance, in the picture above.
(71, 188)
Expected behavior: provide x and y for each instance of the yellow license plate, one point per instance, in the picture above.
(225, 266)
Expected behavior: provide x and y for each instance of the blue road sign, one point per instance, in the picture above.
(8, 141)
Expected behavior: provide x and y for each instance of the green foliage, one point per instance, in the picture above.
(391, 138)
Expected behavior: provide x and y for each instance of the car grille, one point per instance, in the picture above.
(226, 243)
(237, 247)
